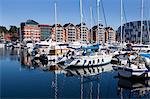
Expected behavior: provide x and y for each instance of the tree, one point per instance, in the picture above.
(14, 33)
(3, 29)
(13, 29)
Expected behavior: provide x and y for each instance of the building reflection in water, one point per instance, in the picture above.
(136, 88)
(12, 54)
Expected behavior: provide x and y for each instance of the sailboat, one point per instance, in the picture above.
(90, 56)
(137, 67)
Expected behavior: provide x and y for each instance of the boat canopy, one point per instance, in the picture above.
(93, 47)
(145, 55)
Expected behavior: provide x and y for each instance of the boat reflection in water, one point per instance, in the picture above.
(90, 79)
(28, 61)
(87, 79)
(133, 88)
(86, 82)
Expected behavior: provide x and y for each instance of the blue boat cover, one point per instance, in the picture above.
(145, 55)
(93, 47)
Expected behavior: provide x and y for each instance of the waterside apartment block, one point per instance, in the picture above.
(131, 32)
(82, 33)
(58, 33)
(30, 31)
(45, 31)
(70, 32)
(110, 35)
(33, 31)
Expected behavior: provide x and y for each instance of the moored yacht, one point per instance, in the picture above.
(89, 57)
(141, 47)
(135, 67)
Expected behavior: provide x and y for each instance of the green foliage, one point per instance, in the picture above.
(3, 29)
(13, 29)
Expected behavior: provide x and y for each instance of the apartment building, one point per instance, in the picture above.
(131, 32)
(58, 33)
(70, 32)
(45, 31)
(110, 35)
(30, 31)
(98, 37)
(82, 33)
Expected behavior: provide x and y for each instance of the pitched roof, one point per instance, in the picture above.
(32, 22)
(68, 24)
(58, 25)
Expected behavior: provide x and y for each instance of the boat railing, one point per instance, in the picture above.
(87, 55)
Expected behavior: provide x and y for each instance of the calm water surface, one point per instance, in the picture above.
(20, 80)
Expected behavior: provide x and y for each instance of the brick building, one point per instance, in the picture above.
(30, 31)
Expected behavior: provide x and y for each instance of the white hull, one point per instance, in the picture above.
(95, 60)
(128, 72)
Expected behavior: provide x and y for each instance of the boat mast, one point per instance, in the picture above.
(81, 20)
(98, 1)
(56, 90)
(141, 22)
(148, 26)
(91, 13)
(148, 31)
(55, 20)
(20, 34)
(121, 20)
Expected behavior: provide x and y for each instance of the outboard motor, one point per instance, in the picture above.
(44, 59)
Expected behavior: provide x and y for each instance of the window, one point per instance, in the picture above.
(93, 61)
(89, 62)
(98, 61)
(102, 60)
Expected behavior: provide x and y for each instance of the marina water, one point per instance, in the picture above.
(19, 79)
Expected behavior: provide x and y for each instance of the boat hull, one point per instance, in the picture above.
(75, 66)
(131, 72)
(89, 61)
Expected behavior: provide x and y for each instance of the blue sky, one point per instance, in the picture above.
(13, 12)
